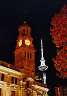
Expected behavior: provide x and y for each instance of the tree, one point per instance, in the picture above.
(58, 31)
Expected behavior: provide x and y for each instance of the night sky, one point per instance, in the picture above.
(38, 14)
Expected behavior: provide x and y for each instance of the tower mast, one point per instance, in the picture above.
(43, 67)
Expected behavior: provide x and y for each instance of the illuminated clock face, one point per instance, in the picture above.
(27, 42)
(19, 43)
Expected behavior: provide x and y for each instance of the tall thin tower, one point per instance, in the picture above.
(43, 67)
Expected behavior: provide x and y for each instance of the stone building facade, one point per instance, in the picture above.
(19, 79)
(12, 83)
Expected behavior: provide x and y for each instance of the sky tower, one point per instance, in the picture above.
(43, 67)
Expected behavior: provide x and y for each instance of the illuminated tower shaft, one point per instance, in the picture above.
(43, 66)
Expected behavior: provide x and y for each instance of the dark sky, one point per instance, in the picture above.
(38, 13)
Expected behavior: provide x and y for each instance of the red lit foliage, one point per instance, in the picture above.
(59, 35)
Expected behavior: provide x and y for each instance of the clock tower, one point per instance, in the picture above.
(25, 51)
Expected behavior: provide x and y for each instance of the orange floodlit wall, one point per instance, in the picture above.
(25, 51)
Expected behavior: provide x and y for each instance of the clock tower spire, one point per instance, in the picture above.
(25, 51)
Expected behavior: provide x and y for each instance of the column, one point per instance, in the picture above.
(6, 90)
(22, 89)
(34, 93)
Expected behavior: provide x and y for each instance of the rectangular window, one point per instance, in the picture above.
(23, 33)
(30, 55)
(14, 80)
(64, 91)
(2, 77)
(13, 93)
(0, 91)
(25, 54)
